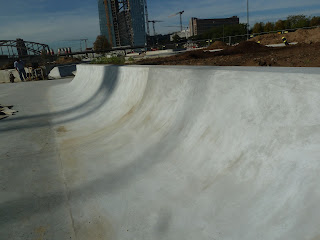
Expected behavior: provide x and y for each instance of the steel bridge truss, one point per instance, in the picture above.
(21, 48)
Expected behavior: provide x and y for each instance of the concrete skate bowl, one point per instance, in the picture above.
(62, 71)
(193, 153)
(181, 153)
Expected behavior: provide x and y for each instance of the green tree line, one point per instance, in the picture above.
(222, 31)
(292, 22)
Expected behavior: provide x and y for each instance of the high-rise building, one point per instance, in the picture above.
(123, 22)
(198, 26)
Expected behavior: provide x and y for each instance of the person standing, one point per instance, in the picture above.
(19, 66)
(285, 41)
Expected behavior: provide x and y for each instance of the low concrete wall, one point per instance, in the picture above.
(132, 54)
(53, 71)
(159, 52)
(4, 75)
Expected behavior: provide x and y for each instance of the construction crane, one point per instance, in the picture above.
(153, 22)
(147, 18)
(180, 17)
(85, 41)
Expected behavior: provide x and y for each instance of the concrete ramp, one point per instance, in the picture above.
(140, 152)
(62, 71)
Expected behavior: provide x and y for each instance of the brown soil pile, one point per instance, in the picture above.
(245, 47)
(247, 54)
(272, 38)
(197, 54)
(305, 36)
(241, 48)
(217, 45)
(300, 36)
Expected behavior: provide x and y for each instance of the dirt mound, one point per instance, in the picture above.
(272, 38)
(300, 55)
(305, 36)
(217, 45)
(301, 36)
(198, 54)
(246, 47)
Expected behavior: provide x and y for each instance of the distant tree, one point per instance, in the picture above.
(315, 21)
(163, 39)
(101, 44)
(235, 29)
(268, 27)
(176, 38)
(280, 25)
(297, 21)
(258, 27)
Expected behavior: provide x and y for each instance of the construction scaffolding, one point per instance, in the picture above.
(146, 16)
(122, 22)
(114, 6)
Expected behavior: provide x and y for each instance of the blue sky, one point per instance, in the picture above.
(49, 21)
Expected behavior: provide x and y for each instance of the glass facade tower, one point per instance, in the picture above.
(105, 20)
(123, 22)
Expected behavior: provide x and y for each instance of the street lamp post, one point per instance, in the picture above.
(247, 19)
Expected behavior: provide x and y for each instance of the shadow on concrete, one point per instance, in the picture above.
(105, 90)
(66, 71)
(18, 209)
(26, 207)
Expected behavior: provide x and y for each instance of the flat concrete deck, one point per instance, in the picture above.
(140, 152)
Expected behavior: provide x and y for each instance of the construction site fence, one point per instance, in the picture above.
(230, 40)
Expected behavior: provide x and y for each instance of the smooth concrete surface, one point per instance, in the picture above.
(281, 44)
(62, 71)
(132, 54)
(139, 152)
(150, 53)
(214, 50)
(33, 202)
(165, 54)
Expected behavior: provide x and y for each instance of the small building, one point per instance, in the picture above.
(182, 34)
(198, 26)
